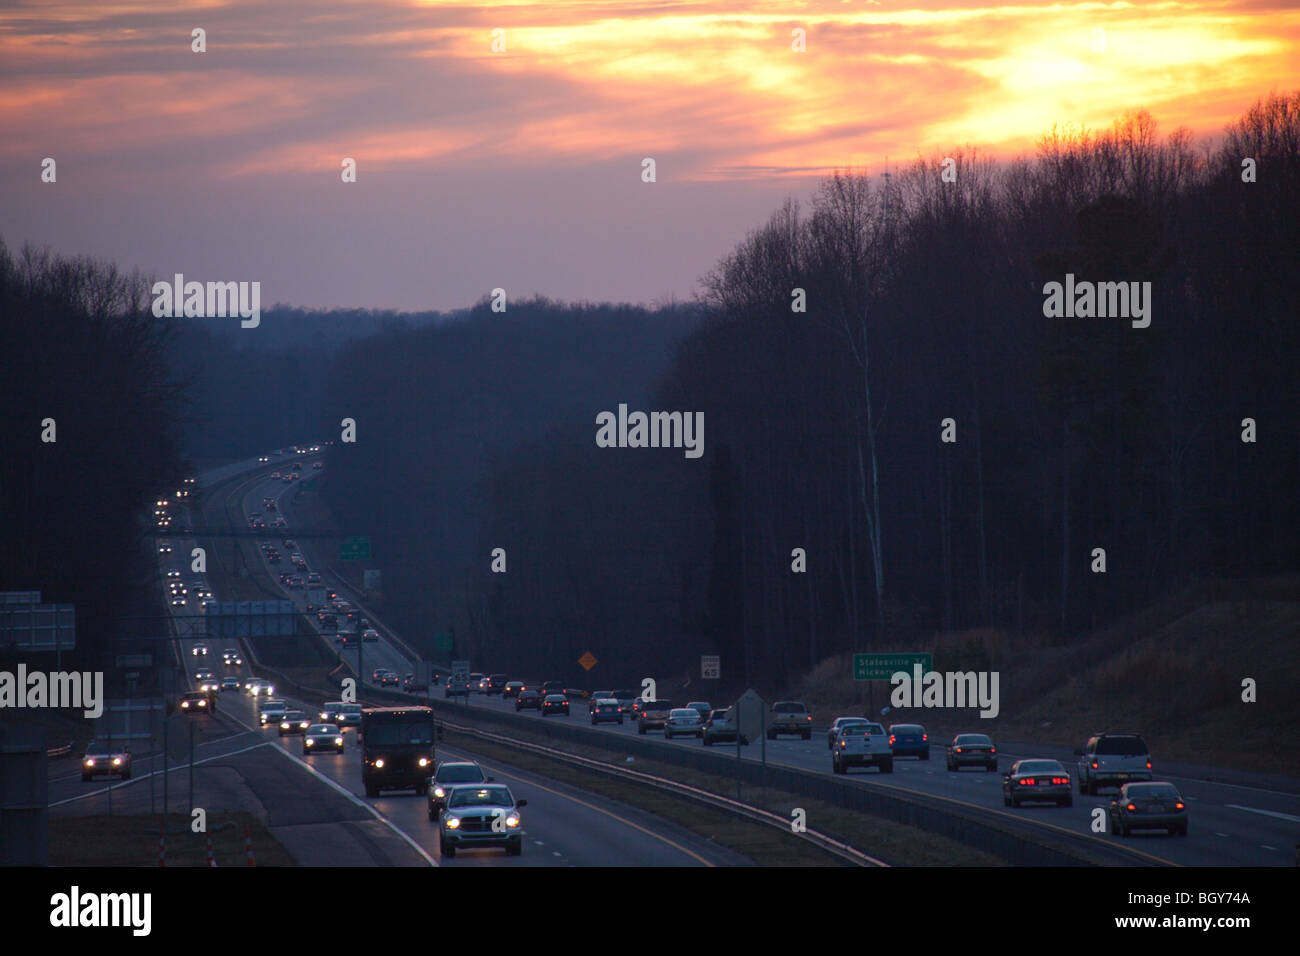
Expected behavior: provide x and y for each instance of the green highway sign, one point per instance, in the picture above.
(355, 549)
(884, 666)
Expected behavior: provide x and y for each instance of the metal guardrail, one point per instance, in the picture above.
(59, 751)
(694, 794)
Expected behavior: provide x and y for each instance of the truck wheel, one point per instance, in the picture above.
(640, 729)
(925, 755)
(887, 766)
(708, 742)
(371, 790)
(807, 735)
(835, 765)
(514, 849)
(1006, 800)
(771, 735)
(127, 774)
(448, 851)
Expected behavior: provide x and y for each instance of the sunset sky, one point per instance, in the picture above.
(522, 169)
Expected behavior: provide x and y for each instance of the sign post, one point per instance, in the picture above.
(460, 677)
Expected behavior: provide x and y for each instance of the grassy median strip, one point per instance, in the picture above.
(767, 846)
(132, 840)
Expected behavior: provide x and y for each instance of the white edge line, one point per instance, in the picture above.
(1268, 813)
(154, 773)
(361, 803)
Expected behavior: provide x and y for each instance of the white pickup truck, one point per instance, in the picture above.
(862, 745)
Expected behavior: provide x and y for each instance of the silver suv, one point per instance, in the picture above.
(1112, 760)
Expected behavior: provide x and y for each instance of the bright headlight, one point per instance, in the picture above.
(439, 792)
(453, 823)
(512, 821)
(379, 764)
(424, 761)
(310, 741)
(339, 741)
(117, 761)
(90, 762)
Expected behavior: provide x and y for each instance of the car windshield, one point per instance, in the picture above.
(393, 734)
(1126, 746)
(624, 694)
(906, 729)
(1147, 791)
(480, 797)
(322, 729)
(684, 713)
(851, 721)
(1040, 766)
(788, 707)
(460, 773)
(294, 715)
(351, 709)
(974, 740)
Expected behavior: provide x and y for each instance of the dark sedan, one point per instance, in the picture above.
(294, 722)
(449, 774)
(528, 698)
(555, 704)
(1148, 806)
(909, 740)
(1036, 781)
(103, 759)
(972, 750)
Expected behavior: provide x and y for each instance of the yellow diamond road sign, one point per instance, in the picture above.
(587, 661)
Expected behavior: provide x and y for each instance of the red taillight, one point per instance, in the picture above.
(1026, 781)
(1148, 764)
(1060, 780)
(923, 736)
(1131, 807)
(891, 738)
(1094, 765)
(993, 750)
(958, 750)
(1178, 805)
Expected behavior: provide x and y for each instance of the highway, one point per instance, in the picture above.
(1230, 824)
(564, 826)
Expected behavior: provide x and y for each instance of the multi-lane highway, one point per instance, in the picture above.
(565, 826)
(1231, 824)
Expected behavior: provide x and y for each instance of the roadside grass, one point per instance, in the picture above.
(1172, 672)
(132, 840)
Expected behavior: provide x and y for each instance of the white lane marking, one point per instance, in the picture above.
(1268, 813)
(1225, 835)
(361, 803)
(172, 769)
(1265, 846)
